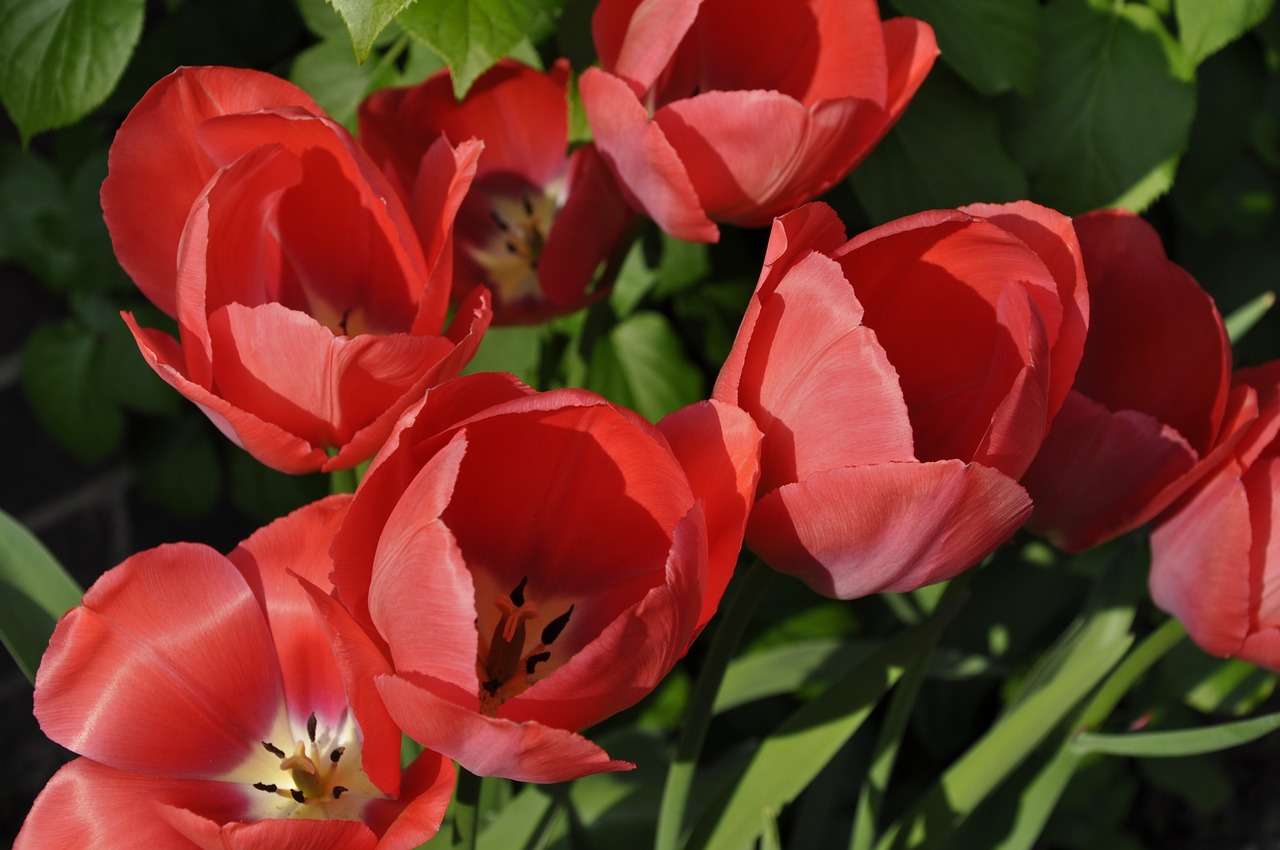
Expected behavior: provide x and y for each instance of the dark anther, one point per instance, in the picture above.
(338, 791)
(534, 660)
(555, 627)
(298, 795)
(262, 786)
(343, 324)
(517, 595)
(337, 754)
(511, 246)
(528, 207)
(275, 751)
(311, 727)
(491, 686)
(533, 264)
(499, 220)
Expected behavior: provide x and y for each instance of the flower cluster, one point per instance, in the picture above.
(516, 566)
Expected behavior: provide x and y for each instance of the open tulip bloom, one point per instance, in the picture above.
(309, 313)
(903, 381)
(527, 564)
(538, 221)
(208, 709)
(729, 111)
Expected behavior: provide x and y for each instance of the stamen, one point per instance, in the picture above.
(528, 205)
(275, 751)
(491, 686)
(311, 727)
(511, 247)
(337, 754)
(338, 791)
(555, 627)
(517, 595)
(298, 795)
(535, 660)
(263, 786)
(499, 220)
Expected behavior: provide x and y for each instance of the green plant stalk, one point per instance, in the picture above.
(1127, 672)
(466, 810)
(724, 642)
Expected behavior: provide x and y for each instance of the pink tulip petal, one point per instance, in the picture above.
(444, 177)
(888, 527)
(1200, 565)
(1262, 486)
(488, 746)
(637, 39)
(428, 785)
(296, 834)
(142, 679)
(648, 168)
(719, 447)
(157, 167)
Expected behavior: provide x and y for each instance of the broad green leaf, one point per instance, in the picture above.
(323, 20)
(61, 58)
(514, 348)
(470, 35)
(34, 592)
(641, 365)
(788, 760)
(132, 383)
(33, 212)
(634, 281)
(993, 44)
(329, 73)
(944, 152)
(1113, 106)
(265, 494)
(1206, 26)
(1185, 742)
(178, 467)
(786, 669)
(366, 19)
(521, 821)
(63, 377)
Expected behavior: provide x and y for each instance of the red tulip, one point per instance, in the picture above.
(1215, 557)
(309, 315)
(519, 566)
(208, 708)
(731, 111)
(903, 381)
(538, 221)
(1149, 400)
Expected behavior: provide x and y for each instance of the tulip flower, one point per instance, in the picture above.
(1150, 398)
(518, 566)
(1215, 555)
(729, 111)
(538, 221)
(309, 315)
(903, 381)
(208, 709)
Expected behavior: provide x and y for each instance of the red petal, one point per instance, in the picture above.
(1098, 472)
(299, 834)
(637, 39)
(157, 168)
(719, 447)
(427, 788)
(1200, 565)
(644, 161)
(167, 668)
(444, 177)
(487, 746)
(889, 527)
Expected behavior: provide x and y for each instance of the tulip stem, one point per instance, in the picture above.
(724, 642)
(466, 810)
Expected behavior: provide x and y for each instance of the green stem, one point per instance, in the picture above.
(1128, 671)
(724, 642)
(466, 810)
(342, 481)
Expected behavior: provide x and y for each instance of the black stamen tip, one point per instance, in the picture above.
(338, 791)
(337, 754)
(262, 786)
(528, 205)
(499, 220)
(491, 686)
(311, 727)
(275, 751)
(534, 660)
(511, 246)
(298, 795)
(555, 627)
(517, 595)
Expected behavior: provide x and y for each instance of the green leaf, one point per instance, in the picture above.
(36, 592)
(61, 58)
(473, 34)
(787, 668)
(991, 43)
(323, 20)
(946, 151)
(788, 760)
(1113, 109)
(33, 211)
(329, 73)
(513, 348)
(1184, 742)
(641, 365)
(64, 380)
(1245, 317)
(178, 467)
(366, 19)
(1206, 26)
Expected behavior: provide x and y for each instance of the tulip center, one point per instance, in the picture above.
(519, 225)
(508, 664)
(319, 777)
